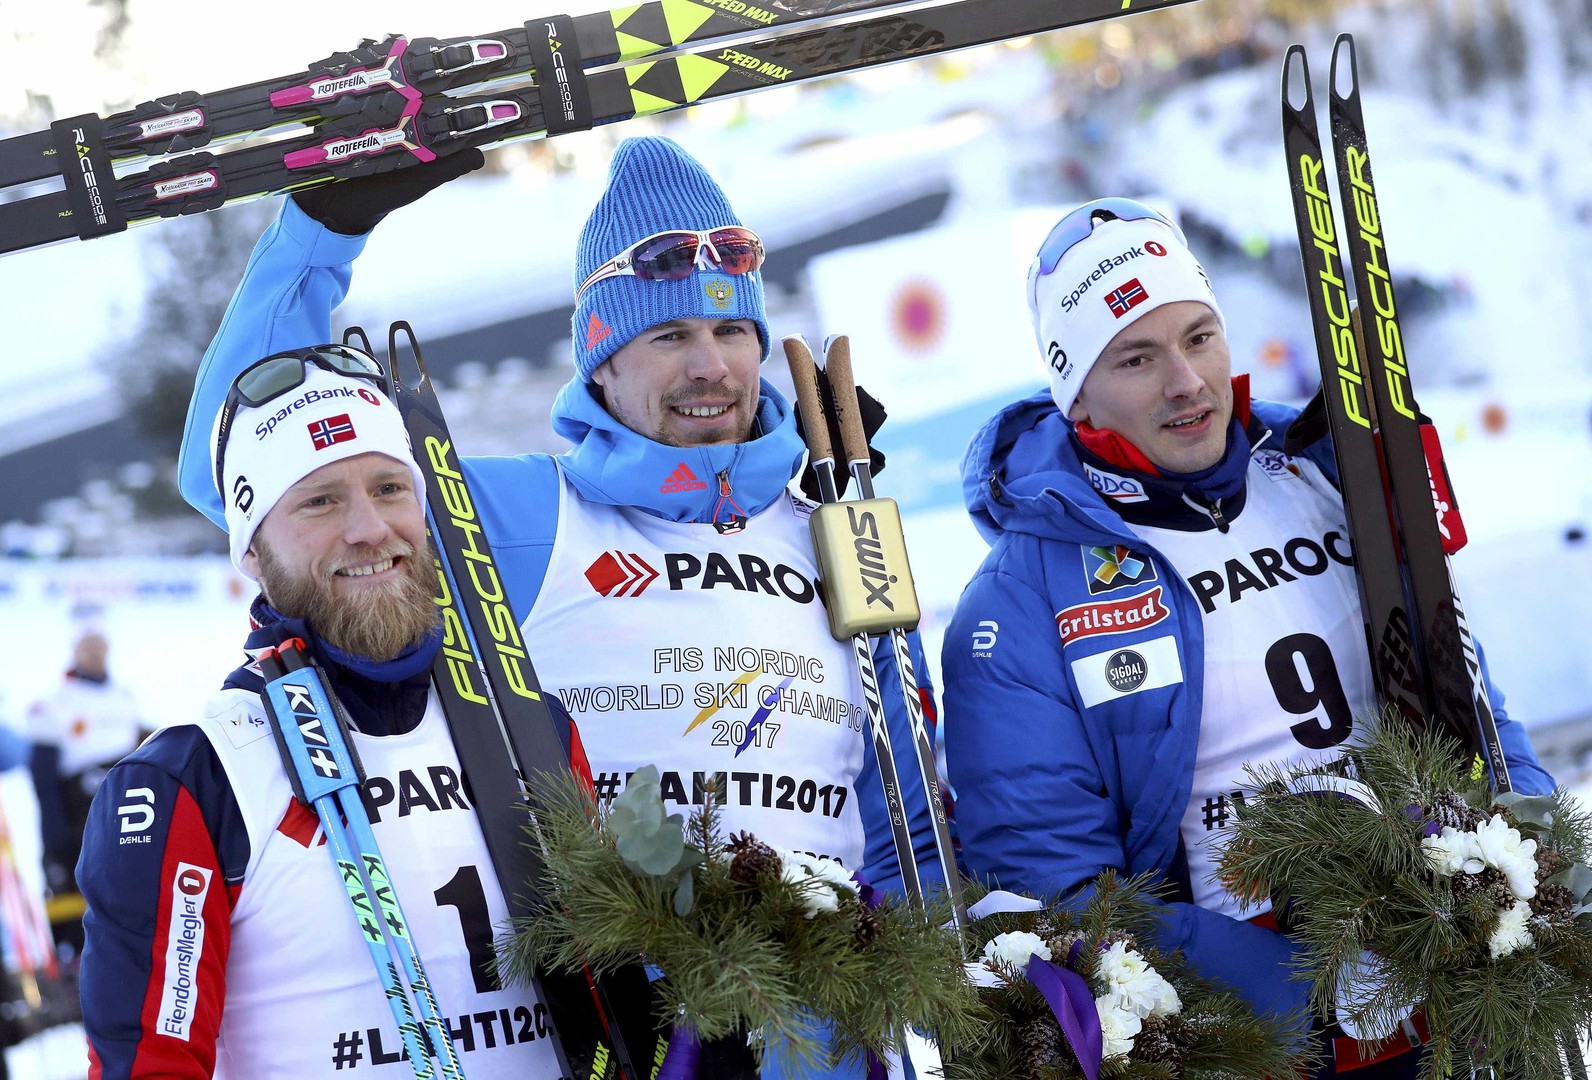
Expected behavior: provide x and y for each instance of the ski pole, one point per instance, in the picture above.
(843, 388)
(326, 775)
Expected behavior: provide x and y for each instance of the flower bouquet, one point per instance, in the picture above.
(751, 940)
(1473, 906)
(1077, 992)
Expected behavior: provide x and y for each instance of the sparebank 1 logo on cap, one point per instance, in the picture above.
(1109, 567)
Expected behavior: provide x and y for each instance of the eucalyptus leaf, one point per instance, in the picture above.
(1529, 809)
(685, 895)
(660, 853)
(1577, 878)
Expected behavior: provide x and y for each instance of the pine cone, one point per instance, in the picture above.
(1549, 862)
(868, 927)
(1498, 890)
(752, 862)
(1452, 810)
(1154, 1043)
(1554, 902)
(1042, 1047)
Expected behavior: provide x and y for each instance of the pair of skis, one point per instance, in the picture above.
(1395, 486)
(397, 102)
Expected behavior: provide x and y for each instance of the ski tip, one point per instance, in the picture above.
(1296, 94)
(1344, 81)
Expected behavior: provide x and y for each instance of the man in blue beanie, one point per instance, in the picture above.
(1169, 595)
(662, 566)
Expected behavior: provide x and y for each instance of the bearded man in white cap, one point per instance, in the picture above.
(1169, 595)
(218, 932)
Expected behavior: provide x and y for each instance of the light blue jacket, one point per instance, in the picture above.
(297, 275)
(1048, 793)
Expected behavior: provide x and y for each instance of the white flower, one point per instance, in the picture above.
(1117, 1028)
(1132, 985)
(1167, 1002)
(1014, 949)
(1453, 851)
(1511, 933)
(821, 882)
(1502, 847)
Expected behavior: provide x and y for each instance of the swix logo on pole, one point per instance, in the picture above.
(620, 573)
(871, 570)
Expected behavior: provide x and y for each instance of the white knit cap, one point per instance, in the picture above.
(1104, 283)
(325, 419)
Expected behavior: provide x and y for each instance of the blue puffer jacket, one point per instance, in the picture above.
(1049, 793)
(300, 271)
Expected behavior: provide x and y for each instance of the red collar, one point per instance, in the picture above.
(1116, 450)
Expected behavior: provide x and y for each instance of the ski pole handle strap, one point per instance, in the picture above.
(85, 166)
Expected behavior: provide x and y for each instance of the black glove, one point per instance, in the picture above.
(355, 206)
(873, 417)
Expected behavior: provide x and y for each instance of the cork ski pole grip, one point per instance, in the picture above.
(837, 364)
(804, 376)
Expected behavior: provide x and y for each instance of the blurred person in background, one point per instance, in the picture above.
(78, 732)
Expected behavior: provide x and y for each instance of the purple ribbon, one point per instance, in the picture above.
(1070, 998)
(680, 1060)
(1415, 813)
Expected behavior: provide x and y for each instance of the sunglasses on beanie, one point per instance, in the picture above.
(673, 255)
(278, 374)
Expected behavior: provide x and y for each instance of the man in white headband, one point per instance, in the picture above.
(1169, 596)
(218, 932)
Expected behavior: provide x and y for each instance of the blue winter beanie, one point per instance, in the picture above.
(654, 186)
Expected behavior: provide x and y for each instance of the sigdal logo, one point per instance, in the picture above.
(1126, 671)
(620, 573)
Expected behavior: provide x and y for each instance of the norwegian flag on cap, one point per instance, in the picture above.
(1125, 299)
(332, 430)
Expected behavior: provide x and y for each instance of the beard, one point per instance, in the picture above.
(377, 625)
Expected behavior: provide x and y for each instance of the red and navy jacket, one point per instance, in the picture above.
(170, 802)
